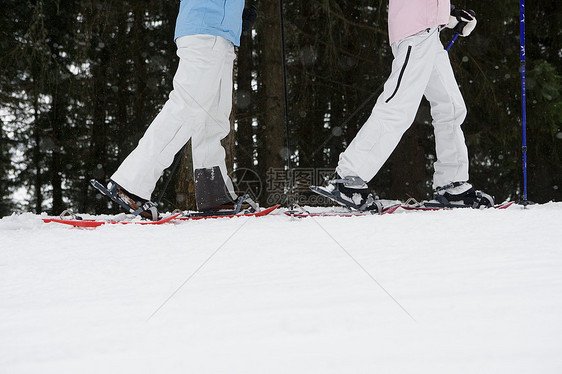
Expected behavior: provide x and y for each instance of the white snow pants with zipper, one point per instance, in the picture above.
(421, 67)
(198, 109)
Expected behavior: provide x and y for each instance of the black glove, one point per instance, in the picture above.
(249, 17)
(461, 21)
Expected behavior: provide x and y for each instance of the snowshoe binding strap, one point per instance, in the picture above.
(130, 203)
(483, 200)
(442, 200)
(69, 214)
(450, 185)
(245, 199)
(347, 181)
(372, 204)
(148, 210)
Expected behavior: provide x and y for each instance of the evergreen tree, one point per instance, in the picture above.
(6, 184)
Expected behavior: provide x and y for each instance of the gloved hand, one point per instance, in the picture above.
(249, 17)
(461, 21)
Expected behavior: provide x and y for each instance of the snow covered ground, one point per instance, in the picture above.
(460, 291)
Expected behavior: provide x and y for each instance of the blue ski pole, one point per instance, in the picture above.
(452, 42)
(523, 99)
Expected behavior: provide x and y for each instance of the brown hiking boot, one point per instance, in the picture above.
(139, 206)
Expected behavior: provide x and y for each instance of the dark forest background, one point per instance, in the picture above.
(80, 80)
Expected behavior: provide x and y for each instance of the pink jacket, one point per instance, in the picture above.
(408, 17)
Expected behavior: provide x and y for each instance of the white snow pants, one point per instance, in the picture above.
(198, 108)
(421, 67)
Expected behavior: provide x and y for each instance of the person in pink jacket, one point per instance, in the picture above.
(421, 67)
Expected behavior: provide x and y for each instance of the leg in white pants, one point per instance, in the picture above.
(196, 108)
(448, 111)
(420, 66)
(206, 145)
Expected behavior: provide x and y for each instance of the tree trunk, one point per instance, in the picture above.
(271, 132)
(37, 156)
(98, 146)
(185, 185)
(56, 123)
(244, 104)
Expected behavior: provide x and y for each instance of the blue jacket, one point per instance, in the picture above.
(211, 17)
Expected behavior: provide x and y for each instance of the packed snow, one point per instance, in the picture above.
(463, 291)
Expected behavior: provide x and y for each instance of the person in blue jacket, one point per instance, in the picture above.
(198, 108)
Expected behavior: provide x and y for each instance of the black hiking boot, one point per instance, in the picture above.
(351, 191)
(463, 194)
